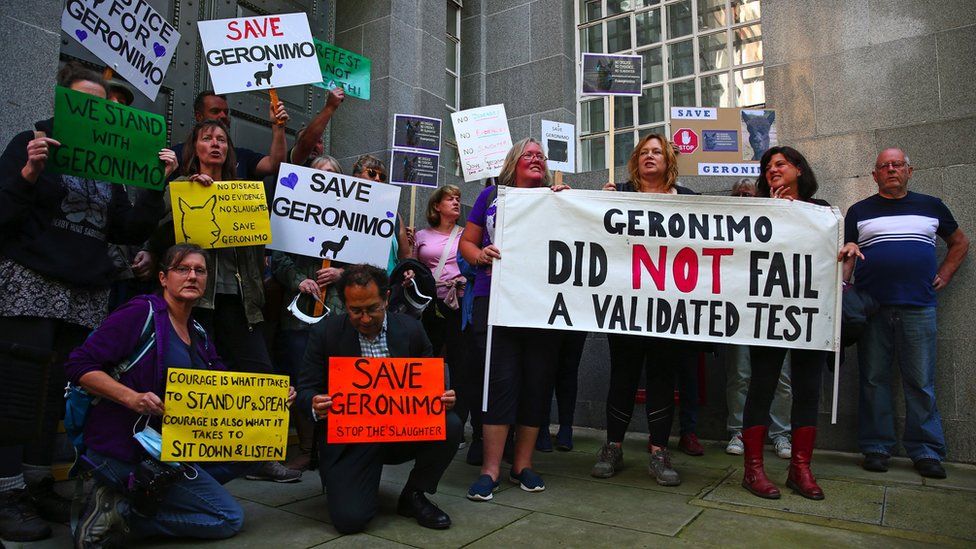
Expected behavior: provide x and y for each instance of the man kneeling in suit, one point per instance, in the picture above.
(351, 472)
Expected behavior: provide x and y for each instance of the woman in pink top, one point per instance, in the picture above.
(437, 248)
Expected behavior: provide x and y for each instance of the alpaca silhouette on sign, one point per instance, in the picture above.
(334, 247)
(758, 126)
(263, 75)
(199, 223)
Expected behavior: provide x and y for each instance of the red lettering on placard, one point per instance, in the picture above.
(254, 28)
(716, 255)
(685, 270)
(642, 258)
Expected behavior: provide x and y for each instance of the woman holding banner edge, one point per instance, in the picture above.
(522, 359)
(784, 173)
(653, 168)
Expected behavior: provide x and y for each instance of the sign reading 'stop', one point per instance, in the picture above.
(257, 53)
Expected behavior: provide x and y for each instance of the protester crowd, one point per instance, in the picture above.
(251, 310)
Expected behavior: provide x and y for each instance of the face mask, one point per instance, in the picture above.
(152, 442)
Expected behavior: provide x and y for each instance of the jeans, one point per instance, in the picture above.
(738, 370)
(198, 508)
(906, 335)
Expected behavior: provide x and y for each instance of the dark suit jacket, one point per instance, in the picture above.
(335, 336)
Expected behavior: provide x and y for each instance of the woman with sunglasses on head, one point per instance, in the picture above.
(523, 360)
(369, 167)
(784, 173)
(652, 168)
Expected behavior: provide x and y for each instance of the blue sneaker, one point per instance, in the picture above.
(483, 489)
(527, 480)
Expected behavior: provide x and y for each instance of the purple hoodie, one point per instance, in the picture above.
(108, 429)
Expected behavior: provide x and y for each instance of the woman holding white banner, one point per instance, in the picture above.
(653, 168)
(523, 360)
(785, 173)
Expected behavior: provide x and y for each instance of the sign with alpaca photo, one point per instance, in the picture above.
(723, 142)
(611, 74)
(333, 216)
(225, 214)
(131, 38)
(258, 53)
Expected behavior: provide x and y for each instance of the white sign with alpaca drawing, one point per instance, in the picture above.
(258, 53)
(333, 216)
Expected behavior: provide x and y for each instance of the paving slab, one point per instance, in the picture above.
(456, 480)
(543, 530)
(945, 512)
(360, 541)
(275, 494)
(612, 505)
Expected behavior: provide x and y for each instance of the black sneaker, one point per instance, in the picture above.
(875, 462)
(930, 468)
(19, 521)
(101, 524)
(275, 472)
(51, 505)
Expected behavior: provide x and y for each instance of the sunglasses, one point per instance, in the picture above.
(370, 172)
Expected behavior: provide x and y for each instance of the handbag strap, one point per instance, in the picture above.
(446, 252)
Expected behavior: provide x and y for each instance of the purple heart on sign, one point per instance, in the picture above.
(279, 65)
(81, 35)
(249, 83)
(311, 239)
(159, 49)
(390, 214)
(289, 180)
(145, 81)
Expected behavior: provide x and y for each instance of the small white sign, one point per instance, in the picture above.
(333, 216)
(743, 169)
(131, 38)
(693, 113)
(483, 140)
(257, 53)
(559, 145)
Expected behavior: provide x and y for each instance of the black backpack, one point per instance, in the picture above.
(411, 301)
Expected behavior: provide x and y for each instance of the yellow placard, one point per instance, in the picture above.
(225, 214)
(224, 416)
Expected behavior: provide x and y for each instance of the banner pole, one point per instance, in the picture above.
(273, 94)
(558, 177)
(413, 203)
(610, 142)
(838, 314)
(484, 391)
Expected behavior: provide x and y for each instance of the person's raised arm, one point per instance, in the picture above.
(306, 143)
(958, 244)
(279, 146)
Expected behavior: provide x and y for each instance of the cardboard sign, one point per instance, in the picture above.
(333, 216)
(746, 271)
(339, 67)
(107, 141)
(726, 142)
(223, 215)
(559, 145)
(386, 400)
(224, 416)
(414, 168)
(418, 133)
(483, 140)
(257, 53)
(611, 74)
(131, 38)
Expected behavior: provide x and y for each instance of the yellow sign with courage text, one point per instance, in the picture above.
(225, 214)
(224, 416)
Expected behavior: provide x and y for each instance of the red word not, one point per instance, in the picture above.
(684, 267)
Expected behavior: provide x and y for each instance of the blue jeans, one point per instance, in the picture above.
(198, 508)
(906, 335)
(738, 370)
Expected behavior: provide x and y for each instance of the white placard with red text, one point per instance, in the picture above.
(257, 53)
(747, 271)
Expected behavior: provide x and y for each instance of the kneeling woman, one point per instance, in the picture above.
(195, 504)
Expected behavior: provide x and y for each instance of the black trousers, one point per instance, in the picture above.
(351, 473)
(443, 327)
(660, 360)
(567, 376)
(805, 378)
(241, 346)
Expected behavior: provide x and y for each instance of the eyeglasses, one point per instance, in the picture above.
(184, 271)
(372, 310)
(895, 165)
(533, 156)
(371, 173)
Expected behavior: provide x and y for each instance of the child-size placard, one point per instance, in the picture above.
(386, 400)
(225, 214)
(559, 145)
(257, 53)
(483, 140)
(107, 141)
(333, 216)
(611, 74)
(129, 36)
(343, 68)
(224, 416)
(720, 141)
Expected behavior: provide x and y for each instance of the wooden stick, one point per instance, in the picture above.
(107, 74)
(413, 203)
(610, 142)
(318, 309)
(273, 93)
(558, 177)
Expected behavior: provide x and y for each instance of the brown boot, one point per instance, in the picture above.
(306, 432)
(800, 478)
(754, 478)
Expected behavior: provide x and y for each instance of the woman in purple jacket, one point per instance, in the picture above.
(195, 504)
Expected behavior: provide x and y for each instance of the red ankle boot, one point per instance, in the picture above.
(800, 477)
(754, 478)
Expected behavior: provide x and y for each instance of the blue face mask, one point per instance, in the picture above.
(152, 442)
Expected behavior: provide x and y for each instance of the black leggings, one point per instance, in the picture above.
(660, 360)
(807, 369)
(443, 327)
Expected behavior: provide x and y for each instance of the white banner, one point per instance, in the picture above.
(483, 140)
(333, 216)
(257, 53)
(747, 271)
(131, 38)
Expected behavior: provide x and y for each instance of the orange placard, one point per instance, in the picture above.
(386, 400)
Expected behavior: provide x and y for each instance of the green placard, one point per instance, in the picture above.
(107, 141)
(343, 68)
